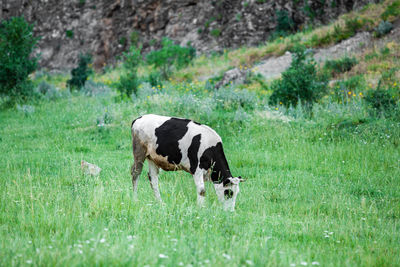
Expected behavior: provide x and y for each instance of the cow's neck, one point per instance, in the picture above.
(220, 170)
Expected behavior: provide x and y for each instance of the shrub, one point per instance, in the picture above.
(338, 66)
(16, 63)
(155, 78)
(380, 100)
(392, 10)
(135, 38)
(215, 32)
(169, 55)
(383, 28)
(132, 59)
(80, 74)
(128, 84)
(129, 80)
(285, 24)
(300, 82)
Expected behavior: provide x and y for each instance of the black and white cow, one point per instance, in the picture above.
(181, 144)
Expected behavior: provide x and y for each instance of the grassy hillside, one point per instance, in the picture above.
(322, 187)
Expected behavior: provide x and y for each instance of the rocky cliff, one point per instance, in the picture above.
(105, 28)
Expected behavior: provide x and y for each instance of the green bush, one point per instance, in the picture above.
(155, 78)
(132, 59)
(285, 24)
(383, 28)
(380, 100)
(80, 74)
(392, 10)
(16, 63)
(128, 84)
(215, 32)
(170, 55)
(300, 82)
(338, 66)
(129, 80)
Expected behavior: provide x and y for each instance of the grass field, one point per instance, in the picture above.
(322, 187)
(314, 194)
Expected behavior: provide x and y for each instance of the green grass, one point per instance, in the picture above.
(313, 193)
(321, 190)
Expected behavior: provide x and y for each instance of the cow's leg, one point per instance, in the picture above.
(139, 154)
(199, 181)
(153, 177)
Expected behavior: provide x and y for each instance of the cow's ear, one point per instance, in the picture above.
(241, 179)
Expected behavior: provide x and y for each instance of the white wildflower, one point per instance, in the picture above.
(249, 262)
(29, 261)
(226, 256)
(102, 240)
(162, 256)
(304, 263)
(315, 263)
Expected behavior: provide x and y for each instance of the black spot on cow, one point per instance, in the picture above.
(134, 121)
(228, 194)
(192, 153)
(214, 157)
(168, 135)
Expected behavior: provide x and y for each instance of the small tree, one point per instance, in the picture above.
(16, 60)
(80, 73)
(300, 82)
(129, 80)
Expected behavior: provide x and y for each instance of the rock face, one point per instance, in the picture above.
(106, 28)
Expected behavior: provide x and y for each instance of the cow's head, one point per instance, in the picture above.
(227, 192)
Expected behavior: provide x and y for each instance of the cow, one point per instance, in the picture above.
(173, 144)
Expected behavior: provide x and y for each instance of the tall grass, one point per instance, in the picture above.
(315, 192)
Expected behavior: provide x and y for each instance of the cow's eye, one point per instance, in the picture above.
(228, 194)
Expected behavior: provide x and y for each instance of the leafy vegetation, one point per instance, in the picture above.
(129, 80)
(285, 24)
(301, 82)
(170, 55)
(80, 74)
(338, 66)
(16, 61)
(383, 28)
